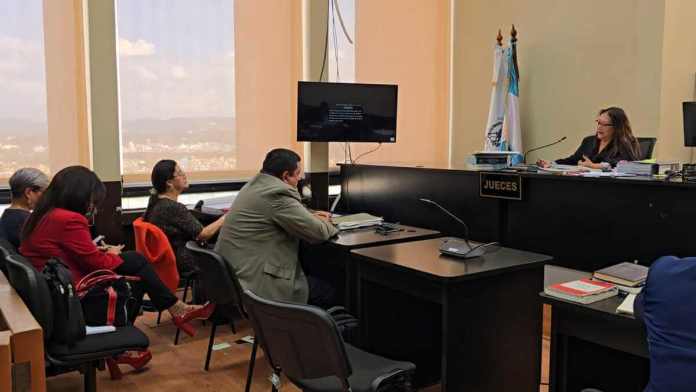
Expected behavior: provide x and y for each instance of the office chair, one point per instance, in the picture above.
(6, 249)
(303, 341)
(225, 291)
(85, 354)
(647, 145)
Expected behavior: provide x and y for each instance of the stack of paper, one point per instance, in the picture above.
(354, 221)
(626, 306)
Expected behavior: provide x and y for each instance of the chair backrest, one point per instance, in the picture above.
(153, 243)
(32, 287)
(220, 281)
(302, 340)
(647, 145)
(6, 249)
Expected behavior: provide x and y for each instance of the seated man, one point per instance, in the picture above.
(667, 305)
(261, 233)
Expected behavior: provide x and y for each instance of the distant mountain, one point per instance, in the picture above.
(15, 126)
(177, 126)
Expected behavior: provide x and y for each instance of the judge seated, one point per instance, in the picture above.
(612, 142)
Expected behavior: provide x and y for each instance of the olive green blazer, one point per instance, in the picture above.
(261, 234)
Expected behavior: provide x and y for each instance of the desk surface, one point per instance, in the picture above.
(606, 308)
(361, 238)
(424, 257)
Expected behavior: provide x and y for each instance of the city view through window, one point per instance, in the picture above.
(23, 124)
(176, 84)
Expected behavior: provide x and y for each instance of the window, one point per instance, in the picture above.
(23, 119)
(177, 86)
(341, 58)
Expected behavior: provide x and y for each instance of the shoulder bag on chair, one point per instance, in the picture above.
(106, 297)
(68, 321)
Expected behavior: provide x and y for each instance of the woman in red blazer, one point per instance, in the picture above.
(58, 227)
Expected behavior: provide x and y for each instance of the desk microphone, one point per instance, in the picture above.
(524, 157)
(451, 215)
(456, 247)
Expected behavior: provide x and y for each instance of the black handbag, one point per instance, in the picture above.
(68, 320)
(106, 298)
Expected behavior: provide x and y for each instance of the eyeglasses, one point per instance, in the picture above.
(180, 174)
(604, 124)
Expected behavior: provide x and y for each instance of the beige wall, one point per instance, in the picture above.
(575, 57)
(678, 69)
(268, 64)
(406, 42)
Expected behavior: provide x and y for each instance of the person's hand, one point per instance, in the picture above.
(113, 249)
(543, 163)
(586, 162)
(323, 215)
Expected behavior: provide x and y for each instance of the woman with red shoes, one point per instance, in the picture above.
(58, 227)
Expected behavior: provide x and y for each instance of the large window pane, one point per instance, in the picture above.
(23, 124)
(176, 85)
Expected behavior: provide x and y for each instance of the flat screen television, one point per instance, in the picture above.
(346, 112)
(689, 124)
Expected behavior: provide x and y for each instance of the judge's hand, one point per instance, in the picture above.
(586, 162)
(543, 163)
(113, 249)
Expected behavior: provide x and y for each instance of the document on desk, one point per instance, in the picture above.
(626, 306)
(354, 221)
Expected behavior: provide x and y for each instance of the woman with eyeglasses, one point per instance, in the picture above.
(26, 187)
(59, 228)
(612, 142)
(175, 220)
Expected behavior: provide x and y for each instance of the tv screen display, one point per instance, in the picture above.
(689, 124)
(346, 112)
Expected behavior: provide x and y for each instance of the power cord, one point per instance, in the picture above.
(368, 152)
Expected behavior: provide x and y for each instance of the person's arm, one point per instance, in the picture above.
(575, 158)
(76, 240)
(211, 229)
(294, 218)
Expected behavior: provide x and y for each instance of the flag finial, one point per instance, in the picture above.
(499, 38)
(513, 33)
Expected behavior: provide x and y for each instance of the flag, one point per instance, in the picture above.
(512, 131)
(496, 111)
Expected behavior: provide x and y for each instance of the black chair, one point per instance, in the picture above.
(6, 249)
(303, 341)
(224, 290)
(85, 355)
(647, 145)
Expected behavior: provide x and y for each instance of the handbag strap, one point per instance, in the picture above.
(99, 277)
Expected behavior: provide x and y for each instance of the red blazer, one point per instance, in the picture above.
(153, 243)
(65, 234)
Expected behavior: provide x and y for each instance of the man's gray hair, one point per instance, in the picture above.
(27, 177)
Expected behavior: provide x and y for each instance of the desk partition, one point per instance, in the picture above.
(584, 223)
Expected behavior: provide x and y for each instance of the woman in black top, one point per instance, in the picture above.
(26, 187)
(175, 220)
(612, 142)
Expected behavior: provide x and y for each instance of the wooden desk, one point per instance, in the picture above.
(592, 346)
(474, 325)
(332, 262)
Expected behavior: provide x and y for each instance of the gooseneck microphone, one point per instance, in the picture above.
(524, 157)
(450, 214)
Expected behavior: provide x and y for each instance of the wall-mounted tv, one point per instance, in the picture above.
(346, 112)
(689, 124)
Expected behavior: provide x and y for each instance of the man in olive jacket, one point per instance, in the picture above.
(261, 233)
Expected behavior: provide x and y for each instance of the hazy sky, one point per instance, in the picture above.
(176, 58)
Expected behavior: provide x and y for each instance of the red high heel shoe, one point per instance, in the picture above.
(136, 359)
(201, 313)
